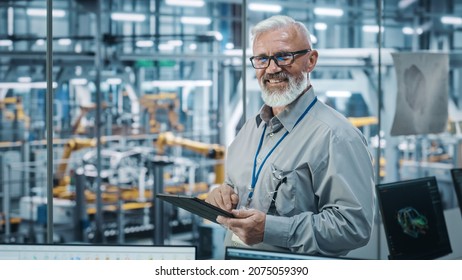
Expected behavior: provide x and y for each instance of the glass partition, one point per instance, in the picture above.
(142, 86)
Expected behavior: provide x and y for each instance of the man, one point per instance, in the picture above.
(299, 175)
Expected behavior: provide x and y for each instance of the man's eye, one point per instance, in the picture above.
(262, 59)
(283, 57)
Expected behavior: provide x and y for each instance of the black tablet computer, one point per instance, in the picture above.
(196, 206)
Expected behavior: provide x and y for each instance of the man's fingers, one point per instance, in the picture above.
(243, 213)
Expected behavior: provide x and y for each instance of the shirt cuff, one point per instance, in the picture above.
(277, 231)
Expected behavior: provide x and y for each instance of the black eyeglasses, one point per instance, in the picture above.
(281, 59)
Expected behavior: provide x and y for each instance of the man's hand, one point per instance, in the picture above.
(248, 225)
(223, 197)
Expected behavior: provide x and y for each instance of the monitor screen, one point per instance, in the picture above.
(95, 252)
(237, 253)
(413, 219)
(456, 174)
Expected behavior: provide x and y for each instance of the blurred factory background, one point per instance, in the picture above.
(149, 93)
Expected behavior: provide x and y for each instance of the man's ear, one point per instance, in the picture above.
(312, 60)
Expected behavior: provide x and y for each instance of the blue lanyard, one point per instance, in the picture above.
(257, 174)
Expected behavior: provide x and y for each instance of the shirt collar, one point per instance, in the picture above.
(291, 113)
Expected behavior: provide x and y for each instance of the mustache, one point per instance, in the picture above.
(279, 76)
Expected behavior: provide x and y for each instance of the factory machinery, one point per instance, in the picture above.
(126, 180)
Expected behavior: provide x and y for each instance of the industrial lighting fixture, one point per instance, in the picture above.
(411, 31)
(114, 81)
(331, 12)
(34, 85)
(179, 83)
(196, 20)
(24, 79)
(313, 39)
(78, 81)
(6, 43)
(372, 29)
(65, 42)
(320, 26)
(338, 93)
(193, 46)
(166, 47)
(259, 7)
(175, 43)
(229, 46)
(144, 44)
(40, 42)
(451, 20)
(43, 13)
(185, 3)
(128, 17)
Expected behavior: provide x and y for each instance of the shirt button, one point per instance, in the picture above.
(271, 134)
(258, 160)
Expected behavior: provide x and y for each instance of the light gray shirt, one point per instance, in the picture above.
(325, 200)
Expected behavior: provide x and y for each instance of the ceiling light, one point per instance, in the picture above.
(411, 31)
(451, 20)
(185, 3)
(175, 43)
(328, 12)
(179, 83)
(79, 81)
(65, 42)
(196, 20)
(229, 46)
(6, 43)
(128, 17)
(372, 29)
(34, 85)
(313, 39)
(320, 26)
(338, 93)
(166, 47)
(144, 44)
(40, 42)
(43, 13)
(24, 79)
(193, 46)
(258, 7)
(114, 81)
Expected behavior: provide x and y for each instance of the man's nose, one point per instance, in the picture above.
(273, 66)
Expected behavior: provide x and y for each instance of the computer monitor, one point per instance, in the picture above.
(95, 252)
(456, 174)
(238, 253)
(413, 219)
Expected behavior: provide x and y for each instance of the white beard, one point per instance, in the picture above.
(275, 98)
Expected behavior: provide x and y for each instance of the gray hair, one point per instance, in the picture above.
(276, 22)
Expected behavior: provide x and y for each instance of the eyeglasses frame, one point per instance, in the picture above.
(273, 57)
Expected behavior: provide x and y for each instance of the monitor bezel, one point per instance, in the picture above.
(292, 255)
(440, 215)
(89, 245)
(457, 189)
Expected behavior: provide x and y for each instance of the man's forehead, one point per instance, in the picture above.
(281, 39)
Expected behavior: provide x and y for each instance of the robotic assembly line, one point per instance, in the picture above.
(127, 180)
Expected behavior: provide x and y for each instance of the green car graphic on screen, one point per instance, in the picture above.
(412, 222)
